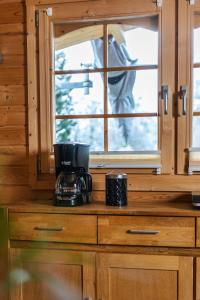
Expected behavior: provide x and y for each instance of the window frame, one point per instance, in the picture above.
(104, 159)
(39, 160)
(188, 157)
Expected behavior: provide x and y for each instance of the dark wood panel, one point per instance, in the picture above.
(11, 1)
(12, 95)
(136, 183)
(12, 76)
(10, 136)
(110, 249)
(178, 283)
(12, 44)
(146, 196)
(12, 28)
(13, 155)
(12, 115)
(54, 275)
(142, 284)
(97, 9)
(14, 175)
(67, 282)
(148, 182)
(13, 193)
(11, 12)
(13, 61)
(43, 2)
(148, 208)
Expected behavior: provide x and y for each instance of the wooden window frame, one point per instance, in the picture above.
(166, 61)
(107, 159)
(188, 157)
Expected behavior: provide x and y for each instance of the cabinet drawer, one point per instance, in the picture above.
(146, 231)
(53, 227)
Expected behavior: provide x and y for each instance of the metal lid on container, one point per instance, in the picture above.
(116, 175)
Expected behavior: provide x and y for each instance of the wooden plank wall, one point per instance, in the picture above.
(13, 125)
(13, 102)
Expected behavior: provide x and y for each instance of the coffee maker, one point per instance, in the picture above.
(73, 182)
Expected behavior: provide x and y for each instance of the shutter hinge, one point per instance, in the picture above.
(49, 12)
(191, 2)
(37, 18)
(158, 3)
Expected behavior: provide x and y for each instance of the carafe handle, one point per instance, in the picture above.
(88, 182)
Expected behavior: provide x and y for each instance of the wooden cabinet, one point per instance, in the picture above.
(97, 259)
(198, 279)
(61, 275)
(52, 274)
(141, 277)
(41, 274)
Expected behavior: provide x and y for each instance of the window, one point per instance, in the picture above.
(194, 150)
(106, 87)
(106, 79)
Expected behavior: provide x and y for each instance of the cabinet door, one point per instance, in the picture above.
(141, 277)
(198, 278)
(52, 275)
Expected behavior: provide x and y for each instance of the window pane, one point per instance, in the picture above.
(74, 49)
(132, 134)
(79, 94)
(196, 89)
(133, 91)
(196, 45)
(196, 132)
(88, 131)
(128, 44)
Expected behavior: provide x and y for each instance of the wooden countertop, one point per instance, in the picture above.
(153, 208)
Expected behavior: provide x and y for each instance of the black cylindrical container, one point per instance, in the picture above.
(116, 189)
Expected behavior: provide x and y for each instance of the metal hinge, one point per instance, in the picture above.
(37, 18)
(191, 2)
(158, 3)
(49, 12)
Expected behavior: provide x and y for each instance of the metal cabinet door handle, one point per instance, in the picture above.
(142, 231)
(48, 228)
(183, 96)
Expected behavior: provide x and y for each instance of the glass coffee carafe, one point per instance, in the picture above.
(71, 188)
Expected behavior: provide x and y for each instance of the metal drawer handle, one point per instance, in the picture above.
(48, 228)
(142, 231)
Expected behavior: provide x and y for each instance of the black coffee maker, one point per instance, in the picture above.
(73, 182)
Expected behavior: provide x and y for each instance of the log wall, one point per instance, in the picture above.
(13, 102)
(14, 129)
